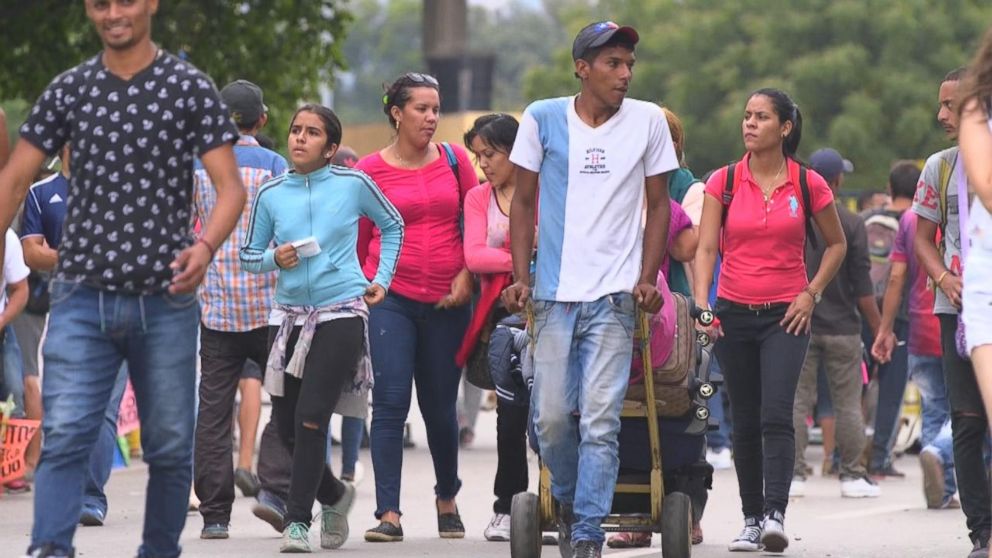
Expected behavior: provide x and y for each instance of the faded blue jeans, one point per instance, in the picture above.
(12, 366)
(581, 369)
(90, 333)
(102, 456)
(927, 372)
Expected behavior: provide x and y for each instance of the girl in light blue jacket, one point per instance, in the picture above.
(319, 322)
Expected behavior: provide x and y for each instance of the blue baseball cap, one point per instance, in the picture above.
(597, 34)
(829, 164)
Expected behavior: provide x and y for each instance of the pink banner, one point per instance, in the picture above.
(17, 436)
(127, 418)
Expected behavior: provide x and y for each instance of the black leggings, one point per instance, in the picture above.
(511, 454)
(761, 365)
(302, 414)
(969, 428)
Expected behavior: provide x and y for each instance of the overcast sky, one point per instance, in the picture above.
(497, 4)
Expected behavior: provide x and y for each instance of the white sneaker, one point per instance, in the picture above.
(860, 487)
(798, 488)
(498, 528)
(720, 459)
(773, 535)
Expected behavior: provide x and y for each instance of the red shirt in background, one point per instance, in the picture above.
(764, 243)
(430, 201)
(924, 327)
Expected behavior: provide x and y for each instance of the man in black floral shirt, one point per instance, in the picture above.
(136, 118)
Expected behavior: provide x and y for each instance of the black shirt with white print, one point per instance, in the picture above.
(133, 144)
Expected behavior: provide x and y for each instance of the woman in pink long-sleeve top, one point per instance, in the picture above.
(487, 254)
(415, 332)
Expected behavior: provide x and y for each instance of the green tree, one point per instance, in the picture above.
(865, 73)
(386, 44)
(288, 48)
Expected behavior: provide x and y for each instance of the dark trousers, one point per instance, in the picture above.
(761, 364)
(970, 430)
(892, 377)
(274, 461)
(305, 409)
(511, 454)
(222, 359)
(414, 342)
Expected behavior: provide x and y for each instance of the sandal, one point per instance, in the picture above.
(627, 539)
(697, 533)
(449, 525)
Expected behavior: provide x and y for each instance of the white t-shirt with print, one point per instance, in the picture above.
(591, 197)
(14, 268)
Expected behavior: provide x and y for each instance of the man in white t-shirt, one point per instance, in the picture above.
(601, 160)
(13, 294)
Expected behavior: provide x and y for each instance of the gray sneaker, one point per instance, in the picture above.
(296, 539)
(334, 519)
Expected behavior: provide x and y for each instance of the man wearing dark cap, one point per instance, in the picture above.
(233, 326)
(836, 343)
(602, 161)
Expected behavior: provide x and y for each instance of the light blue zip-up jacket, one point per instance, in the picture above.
(327, 204)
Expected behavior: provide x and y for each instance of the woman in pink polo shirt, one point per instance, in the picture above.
(764, 300)
(416, 331)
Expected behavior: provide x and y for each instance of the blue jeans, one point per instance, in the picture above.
(90, 334)
(581, 369)
(927, 372)
(414, 342)
(892, 377)
(102, 456)
(352, 429)
(13, 370)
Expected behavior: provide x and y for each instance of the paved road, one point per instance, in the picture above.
(821, 525)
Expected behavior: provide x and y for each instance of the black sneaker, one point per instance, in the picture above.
(214, 531)
(981, 547)
(384, 532)
(566, 518)
(587, 549)
(750, 538)
(270, 509)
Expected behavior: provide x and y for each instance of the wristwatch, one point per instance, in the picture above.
(817, 296)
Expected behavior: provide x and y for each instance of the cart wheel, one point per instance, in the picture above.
(703, 338)
(707, 390)
(525, 526)
(706, 317)
(702, 413)
(676, 526)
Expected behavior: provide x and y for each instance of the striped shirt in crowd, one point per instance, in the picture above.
(232, 299)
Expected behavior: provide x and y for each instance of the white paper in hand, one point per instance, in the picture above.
(306, 247)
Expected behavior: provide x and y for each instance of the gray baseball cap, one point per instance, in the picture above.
(244, 101)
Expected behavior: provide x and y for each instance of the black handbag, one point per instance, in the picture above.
(38, 302)
(477, 367)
